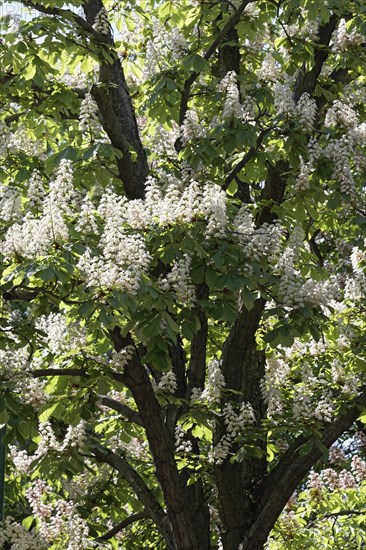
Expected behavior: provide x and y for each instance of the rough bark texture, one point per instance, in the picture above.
(118, 117)
(161, 445)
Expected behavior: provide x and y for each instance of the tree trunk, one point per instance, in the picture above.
(118, 117)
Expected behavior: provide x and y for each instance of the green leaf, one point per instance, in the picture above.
(29, 71)
(28, 522)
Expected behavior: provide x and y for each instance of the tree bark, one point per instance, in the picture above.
(118, 117)
(162, 447)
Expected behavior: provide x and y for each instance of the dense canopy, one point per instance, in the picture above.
(182, 311)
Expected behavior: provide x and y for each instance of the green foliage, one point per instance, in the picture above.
(213, 317)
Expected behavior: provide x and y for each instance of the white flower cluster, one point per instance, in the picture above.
(168, 383)
(303, 179)
(220, 452)
(235, 423)
(62, 192)
(80, 486)
(306, 108)
(161, 143)
(249, 106)
(275, 379)
(315, 481)
(182, 444)
(20, 140)
(135, 447)
(10, 204)
(355, 287)
(121, 358)
(294, 290)
(61, 335)
(324, 410)
(343, 39)
(124, 259)
(29, 239)
(305, 403)
(175, 205)
(349, 383)
(58, 519)
(75, 437)
(346, 480)
(336, 455)
(232, 106)
(87, 219)
(179, 280)
(88, 120)
(22, 461)
(192, 128)
(339, 151)
(32, 391)
(358, 467)
(36, 192)
(341, 115)
(214, 384)
(14, 534)
(13, 362)
(265, 241)
(213, 207)
(15, 366)
(270, 69)
(176, 43)
(244, 223)
(307, 168)
(284, 99)
(309, 28)
(101, 23)
(329, 479)
(4, 131)
(77, 80)
(164, 45)
(33, 236)
(357, 258)
(302, 405)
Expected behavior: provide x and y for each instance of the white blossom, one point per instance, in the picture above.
(303, 179)
(358, 467)
(343, 39)
(89, 123)
(192, 128)
(336, 455)
(179, 280)
(270, 69)
(121, 358)
(10, 204)
(306, 108)
(101, 23)
(36, 191)
(20, 539)
(232, 106)
(168, 383)
(284, 99)
(182, 444)
(235, 423)
(215, 383)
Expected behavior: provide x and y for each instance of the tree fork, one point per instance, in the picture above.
(162, 449)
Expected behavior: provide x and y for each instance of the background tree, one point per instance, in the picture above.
(183, 254)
